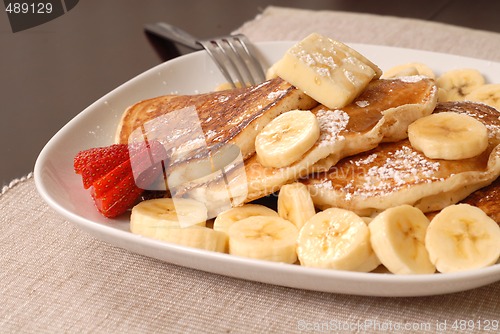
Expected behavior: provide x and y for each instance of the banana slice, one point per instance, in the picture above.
(264, 237)
(286, 138)
(334, 239)
(179, 221)
(457, 84)
(462, 237)
(397, 236)
(225, 219)
(193, 236)
(169, 212)
(370, 264)
(449, 136)
(409, 69)
(487, 94)
(295, 204)
(227, 85)
(367, 220)
(271, 72)
(330, 72)
(442, 95)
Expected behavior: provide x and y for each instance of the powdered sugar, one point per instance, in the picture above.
(493, 130)
(404, 166)
(323, 64)
(362, 104)
(331, 123)
(412, 78)
(211, 133)
(276, 95)
(222, 98)
(401, 168)
(366, 161)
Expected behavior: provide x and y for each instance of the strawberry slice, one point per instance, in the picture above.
(97, 162)
(117, 174)
(112, 178)
(119, 198)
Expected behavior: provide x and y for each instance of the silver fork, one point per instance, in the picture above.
(232, 54)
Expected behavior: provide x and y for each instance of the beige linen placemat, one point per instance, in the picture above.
(277, 23)
(55, 278)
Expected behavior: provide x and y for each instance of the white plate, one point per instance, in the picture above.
(195, 73)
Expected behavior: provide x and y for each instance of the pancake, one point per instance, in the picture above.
(195, 127)
(382, 112)
(487, 199)
(395, 173)
(235, 115)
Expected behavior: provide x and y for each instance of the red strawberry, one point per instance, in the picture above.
(116, 172)
(97, 162)
(119, 198)
(112, 178)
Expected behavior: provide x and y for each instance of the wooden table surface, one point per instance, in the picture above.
(51, 72)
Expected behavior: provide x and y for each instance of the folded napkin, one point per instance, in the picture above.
(55, 278)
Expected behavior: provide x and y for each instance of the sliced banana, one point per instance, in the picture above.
(367, 220)
(397, 236)
(225, 219)
(271, 72)
(457, 84)
(168, 212)
(449, 136)
(462, 237)
(179, 221)
(370, 264)
(295, 204)
(264, 237)
(193, 236)
(409, 69)
(442, 95)
(335, 239)
(403, 71)
(286, 138)
(227, 85)
(487, 94)
(330, 72)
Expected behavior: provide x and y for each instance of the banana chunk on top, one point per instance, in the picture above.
(319, 66)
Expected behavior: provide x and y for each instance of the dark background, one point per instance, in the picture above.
(51, 72)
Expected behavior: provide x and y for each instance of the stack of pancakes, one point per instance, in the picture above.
(361, 162)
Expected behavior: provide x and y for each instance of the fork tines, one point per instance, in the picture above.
(235, 60)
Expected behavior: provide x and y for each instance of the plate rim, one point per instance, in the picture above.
(98, 230)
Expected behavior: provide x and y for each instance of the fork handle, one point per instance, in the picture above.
(173, 34)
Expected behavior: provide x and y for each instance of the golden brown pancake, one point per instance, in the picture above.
(204, 132)
(230, 116)
(395, 173)
(487, 199)
(382, 112)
